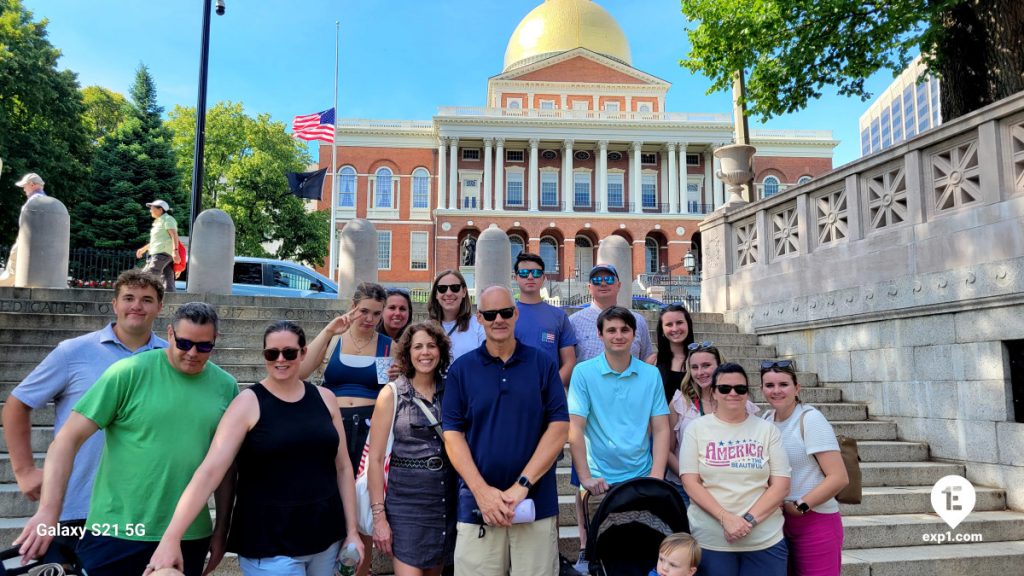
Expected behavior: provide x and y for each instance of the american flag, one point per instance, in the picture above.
(319, 126)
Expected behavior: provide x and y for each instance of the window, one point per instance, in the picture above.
(248, 273)
(897, 121)
(581, 155)
(804, 180)
(472, 154)
(645, 107)
(549, 188)
(548, 154)
(289, 277)
(580, 105)
(347, 188)
(693, 205)
(611, 106)
(615, 156)
(876, 136)
(649, 190)
(651, 255)
(771, 186)
(470, 193)
(514, 155)
(382, 189)
(418, 250)
(514, 188)
(549, 253)
(517, 244)
(615, 190)
(865, 141)
(547, 104)
(693, 159)
(648, 158)
(909, 119)
(581, 188)
(420, 189)
(384, 249)
(886, 121)
(515, 103)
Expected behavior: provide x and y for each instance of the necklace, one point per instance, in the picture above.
(360, 347)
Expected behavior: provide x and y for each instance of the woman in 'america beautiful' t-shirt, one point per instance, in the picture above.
(736, 471)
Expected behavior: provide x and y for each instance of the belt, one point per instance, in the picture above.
(433, 463)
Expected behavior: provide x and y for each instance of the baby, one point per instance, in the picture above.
(679, 555)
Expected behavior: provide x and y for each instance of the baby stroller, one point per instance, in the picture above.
(629, 525)
(66, 565)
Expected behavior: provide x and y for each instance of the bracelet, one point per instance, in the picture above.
(376, 507)
(721, 516)
(377, 512)
(372, 504)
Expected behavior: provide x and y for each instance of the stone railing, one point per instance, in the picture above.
(569, 114)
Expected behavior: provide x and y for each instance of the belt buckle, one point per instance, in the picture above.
(435, 463)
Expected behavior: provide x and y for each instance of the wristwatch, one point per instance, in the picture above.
(750, 518)
(525, 482)
(802, 506)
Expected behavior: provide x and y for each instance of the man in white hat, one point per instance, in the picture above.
(32, 184)
(163, 244)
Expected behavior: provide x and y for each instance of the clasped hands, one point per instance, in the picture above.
(499, 507)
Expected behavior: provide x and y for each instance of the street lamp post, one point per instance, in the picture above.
(200, 141)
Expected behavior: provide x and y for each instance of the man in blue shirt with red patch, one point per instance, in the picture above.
(505, 421)
(540, 324)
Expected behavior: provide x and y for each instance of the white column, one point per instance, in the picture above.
(453, 173)
(709, 187)
(683, 180)
(635, 178)
(488, 142)
(673, 179)
(719, 190)
(602, 174)
(534, 178)
(567, 183)
(499, 175)
(442, 197)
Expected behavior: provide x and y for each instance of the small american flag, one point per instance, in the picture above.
(319, 126)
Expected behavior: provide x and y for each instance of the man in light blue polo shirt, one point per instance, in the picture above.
(618, 418)
(67, 373)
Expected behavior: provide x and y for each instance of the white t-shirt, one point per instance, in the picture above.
(734, 462)
(463, 342)
(818, 437)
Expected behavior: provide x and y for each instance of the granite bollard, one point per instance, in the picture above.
(357, 257)
(44, 239)
(616, 251)
(493, 259)
(212, 253)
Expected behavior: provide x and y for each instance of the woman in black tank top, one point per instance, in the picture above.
(295, 490)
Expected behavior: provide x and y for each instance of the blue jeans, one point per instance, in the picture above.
(319, 564)
(109, 556)
(767, 562)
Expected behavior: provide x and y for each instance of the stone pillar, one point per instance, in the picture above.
(488, 176)
(673, 179)
(568, 191)
(43, 245)
(683, 178)
(614, 250)
(453, 173)
(635, 179)
(499, 175)
(212, 253)
(493, 259)
(357, 257)
(442, 191)
(709, 187)
(602, 175)
(534, 178)
(714, 285)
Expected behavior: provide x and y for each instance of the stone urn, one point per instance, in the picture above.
(737, 169)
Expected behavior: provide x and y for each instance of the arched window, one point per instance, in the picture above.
(804, 180)
(347, 187)
(382, 189)
(518, 246)
(420, 188)
(549, 253)
(584, 255)
(771, 186)
(651, 255)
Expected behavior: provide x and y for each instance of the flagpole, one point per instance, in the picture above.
(331, 255)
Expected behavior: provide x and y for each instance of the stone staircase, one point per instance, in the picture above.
(884, 534)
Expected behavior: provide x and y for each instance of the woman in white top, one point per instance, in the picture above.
(813, 527)
(449, 305)
(736, 472)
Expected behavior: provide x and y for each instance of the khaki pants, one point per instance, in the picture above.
(530, 549)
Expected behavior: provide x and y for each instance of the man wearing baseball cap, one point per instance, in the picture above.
(32, 184)
(163, 244)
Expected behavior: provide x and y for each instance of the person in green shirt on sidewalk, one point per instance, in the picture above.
(159, 411)
(162, 249)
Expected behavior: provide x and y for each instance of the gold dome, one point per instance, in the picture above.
(559, 25)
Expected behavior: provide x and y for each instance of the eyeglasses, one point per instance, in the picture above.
(506, 313)
(186, 345)
(740, 389)
(526, 273)
(598, 280)
(271, 354)
(700, 345)
(769, 364)
(444, 288)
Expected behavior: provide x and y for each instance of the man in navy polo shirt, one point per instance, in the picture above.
(505, 421)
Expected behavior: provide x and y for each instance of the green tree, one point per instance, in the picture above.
(132, 166)
(41, 109)
(244, 166)
(791, 49)
(105, 111)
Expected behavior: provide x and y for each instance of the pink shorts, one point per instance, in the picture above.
(815, 544)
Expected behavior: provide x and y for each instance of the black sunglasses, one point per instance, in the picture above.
(506, 313)
(740, 389)
(700, 345)
(769, 364)
(444, 288)
(186, 345)
(289, 354)
(526, 273)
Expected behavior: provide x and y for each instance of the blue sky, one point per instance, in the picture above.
(400, 59)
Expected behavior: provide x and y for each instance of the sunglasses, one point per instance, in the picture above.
(506, 313)
(271, 354)
(525, 273)
(186, 345)
(598, 280)
(444, 288)
(769, 364)
(700, 345)
(740, 389)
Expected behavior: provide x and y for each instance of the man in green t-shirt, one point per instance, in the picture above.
(162, 249)
(159, 411)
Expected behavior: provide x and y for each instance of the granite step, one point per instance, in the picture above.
(721, 338)
(222, 354)
(175, 298)
(866, 429)
(84, 323)
(842, 411)
(808, 394)
(891, 530)
(249, 372)
(976, 559)
(7, 471)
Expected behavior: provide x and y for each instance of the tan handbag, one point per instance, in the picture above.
(852, 493)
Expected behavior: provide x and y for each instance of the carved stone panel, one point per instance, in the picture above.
(1017, 156)
(885, 194)
(831, 215)
(746, 242)
(785, 232)
(956, 176)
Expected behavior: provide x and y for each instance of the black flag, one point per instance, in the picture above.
(307, 185)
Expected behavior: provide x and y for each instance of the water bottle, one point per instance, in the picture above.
(348, 560)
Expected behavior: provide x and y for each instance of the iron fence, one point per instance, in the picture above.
(90, 267)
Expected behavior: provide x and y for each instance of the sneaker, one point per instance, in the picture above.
(582, 565)
(565, 567)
